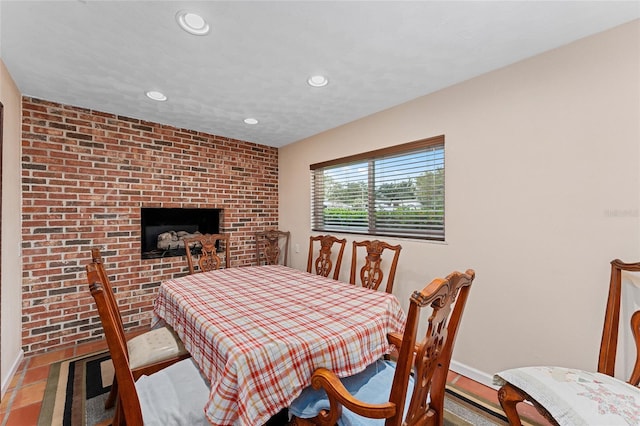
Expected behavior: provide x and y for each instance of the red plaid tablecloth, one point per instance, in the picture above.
(258, 333)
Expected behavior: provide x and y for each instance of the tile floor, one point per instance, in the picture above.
(21, 403)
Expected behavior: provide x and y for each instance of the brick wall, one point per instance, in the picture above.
(85, 176)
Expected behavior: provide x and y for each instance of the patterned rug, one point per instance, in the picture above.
(76, 391)
(77, 388)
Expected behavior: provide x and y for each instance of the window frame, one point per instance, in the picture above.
(317, 186)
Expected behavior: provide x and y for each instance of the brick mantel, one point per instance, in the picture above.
(85, 176)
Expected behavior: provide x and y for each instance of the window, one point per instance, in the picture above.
(396, 191)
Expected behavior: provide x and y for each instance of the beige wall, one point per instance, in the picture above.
(10, 319)
(542, 191)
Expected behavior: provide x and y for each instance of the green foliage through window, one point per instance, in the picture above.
(397, 191)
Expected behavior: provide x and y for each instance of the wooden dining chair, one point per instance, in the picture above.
(368, 269)
(572, 396)
(323, 261)
(206, 247)
(148, 352)
(410, 390)
(176, 394)
(272, 247)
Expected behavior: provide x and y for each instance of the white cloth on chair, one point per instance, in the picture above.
(174, 396)
(575, 397)
(155, 345)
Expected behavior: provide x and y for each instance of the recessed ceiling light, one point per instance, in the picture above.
(317, 81)
(192, 23)
(251, 121)
(156, 96)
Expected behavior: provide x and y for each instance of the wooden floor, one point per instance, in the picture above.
(21, 404)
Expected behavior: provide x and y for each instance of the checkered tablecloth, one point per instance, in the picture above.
(259, 332)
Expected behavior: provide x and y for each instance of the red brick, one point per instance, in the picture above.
(103, 165)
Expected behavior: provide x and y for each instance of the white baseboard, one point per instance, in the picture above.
(473, 374)
(6, 381)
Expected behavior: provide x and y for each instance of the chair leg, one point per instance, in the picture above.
(118, 416)
(113, 394)
(509, 396)
(296, 421)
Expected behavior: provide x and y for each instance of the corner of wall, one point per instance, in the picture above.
(12, 371)
(472, 373)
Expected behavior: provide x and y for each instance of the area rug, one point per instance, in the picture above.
(77, 388)
(76, 391)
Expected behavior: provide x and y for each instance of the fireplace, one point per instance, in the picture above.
(174, 222)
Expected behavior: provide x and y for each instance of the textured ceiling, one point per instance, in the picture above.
(105, 55)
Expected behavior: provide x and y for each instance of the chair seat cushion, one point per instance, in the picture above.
(153, 346)
(372, 385)
(576, 397)
(175, 395)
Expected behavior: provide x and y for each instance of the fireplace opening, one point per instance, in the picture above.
(162, 229)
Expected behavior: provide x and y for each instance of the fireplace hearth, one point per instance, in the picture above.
(172, 223)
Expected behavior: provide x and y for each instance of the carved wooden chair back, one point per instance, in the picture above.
(96, 259)
(149, 358)
(97, 265)
(511, 394)
(272, 247)
(128, 407)
(427, 359)
(325, 260)
(370, 271)
(183, 390)
(609, 342)
(208, 259)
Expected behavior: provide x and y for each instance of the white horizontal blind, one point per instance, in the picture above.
(395, 192)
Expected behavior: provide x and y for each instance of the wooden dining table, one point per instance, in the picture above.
(258, 333)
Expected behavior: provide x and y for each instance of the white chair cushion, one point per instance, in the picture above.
(174, 396)
(576, 397)
(373, 385)
(153, 346)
